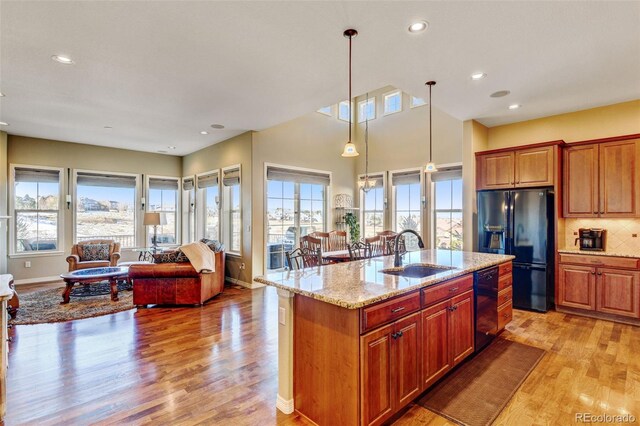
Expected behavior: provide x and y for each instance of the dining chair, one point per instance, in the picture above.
(386, 237)
(337, 240)
(302, 258)
(359, 250)
(391, 246)
(376, 246)
(324, 238)
(311, 243)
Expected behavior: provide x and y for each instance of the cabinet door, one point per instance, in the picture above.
(406, 360)
(580, 197)
(375, 376)
(494, 171)
(619, 179)
(577, 287)
(461, 327)
(617, 292)
(534, 167)
(436, 358)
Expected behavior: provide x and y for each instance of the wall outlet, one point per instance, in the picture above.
(634, 235)
(242, 266)
(27, 264)
(281, 316)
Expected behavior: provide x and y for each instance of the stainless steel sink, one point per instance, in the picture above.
(417, 271)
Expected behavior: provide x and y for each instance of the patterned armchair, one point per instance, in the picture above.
(93, 254)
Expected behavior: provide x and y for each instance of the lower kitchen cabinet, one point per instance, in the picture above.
(577, 287)
(618, 292)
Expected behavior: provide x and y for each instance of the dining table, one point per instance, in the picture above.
(336, 256)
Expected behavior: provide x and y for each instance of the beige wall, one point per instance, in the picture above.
(313, 141)
(236, 150)
(43, 152)
(475, 139)
(3, 202)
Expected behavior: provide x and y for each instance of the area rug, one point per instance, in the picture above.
(97, 289)
(477, 392)
(44, 306)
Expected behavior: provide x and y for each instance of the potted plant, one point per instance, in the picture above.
(354, 227)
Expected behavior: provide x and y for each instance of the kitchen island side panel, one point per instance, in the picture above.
(326, 362)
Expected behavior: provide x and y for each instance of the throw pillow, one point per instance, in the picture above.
(170, 256)
(93, 252)
(214, 245)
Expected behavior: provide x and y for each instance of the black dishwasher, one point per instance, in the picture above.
(485, 286)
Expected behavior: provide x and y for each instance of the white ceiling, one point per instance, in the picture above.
(160, 72)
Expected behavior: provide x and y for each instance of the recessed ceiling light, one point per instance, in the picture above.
(478, 76)
(162, 151)
(419, 26)
(108, 127)
(171, 147)
(499, 93)
(2, 123)
(217, 126)
(1, 95)
(204, 132)
(514, 106)
(62, 59)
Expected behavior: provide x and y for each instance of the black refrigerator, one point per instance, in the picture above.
(520, 223)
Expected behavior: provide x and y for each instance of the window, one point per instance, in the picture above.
(36, 209)
(392, 102)
(232, 222)
(328, 110)
(162, 197)
(344, 110)
(416, 102)
(407, 200)
(372, 205)
(296, 206)
(188, 209)
(447, 209)
(366, 110)
(209, 205)
(106, 207)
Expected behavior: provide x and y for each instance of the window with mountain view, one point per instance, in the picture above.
(407, 199)
(36, 209)
(105, 207)
(447, 211)
(162, 197)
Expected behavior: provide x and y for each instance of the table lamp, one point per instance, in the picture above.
(154, 219)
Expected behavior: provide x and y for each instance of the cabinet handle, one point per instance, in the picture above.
(397, 335)
(601, 212)
(453, 289)
(396, 310)
(593, 273)
(599, 273)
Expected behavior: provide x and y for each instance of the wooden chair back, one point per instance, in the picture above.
(391, 246)
(302, 258)
(359, 250)
(376, 246)
(387, 237)
(324, 240)
(311, 243)
(337, 240)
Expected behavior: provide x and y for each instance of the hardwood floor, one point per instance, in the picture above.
(217, 365)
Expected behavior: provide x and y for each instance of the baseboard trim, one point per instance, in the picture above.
(40, 280)
(243, 283)
(284, 405)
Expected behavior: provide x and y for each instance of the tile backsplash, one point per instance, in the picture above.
(619, 233)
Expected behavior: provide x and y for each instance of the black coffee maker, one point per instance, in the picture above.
(592, 239)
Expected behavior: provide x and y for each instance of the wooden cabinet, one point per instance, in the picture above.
(390, 369)
(447, 333)
(600, 284)
(517, 168)
(602, 180)
(505, 294)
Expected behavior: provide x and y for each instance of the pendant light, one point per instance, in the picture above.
(349, 148)
(431, 166)
(367, 183)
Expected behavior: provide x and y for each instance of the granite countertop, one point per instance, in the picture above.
(353, 285)
(616, 253)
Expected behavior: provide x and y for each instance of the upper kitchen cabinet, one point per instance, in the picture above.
(525, 167)
(602, 180)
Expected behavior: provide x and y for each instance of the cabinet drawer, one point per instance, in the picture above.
(438, 292)
(505, 315)
(505, 296)
(390, 310)
(606, 261)
(505, 269)
(504, 282)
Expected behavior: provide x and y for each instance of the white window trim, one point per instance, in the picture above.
(178, 212)
(423, 226)
(186, 209)
(385, 205)
(384, 98)
(200, 221)
(223, 216)
(139, 207)
(331, 112)
(12, 225)
(351, 108)
(328, 219)
(411, 105)
(432, 197)
(361, 118)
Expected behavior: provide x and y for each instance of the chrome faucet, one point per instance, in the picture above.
(396, 260)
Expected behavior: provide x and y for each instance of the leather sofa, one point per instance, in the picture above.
(175, 283)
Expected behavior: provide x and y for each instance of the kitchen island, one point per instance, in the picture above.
(360, 340)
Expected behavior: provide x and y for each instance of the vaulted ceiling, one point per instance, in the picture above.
(159, 73)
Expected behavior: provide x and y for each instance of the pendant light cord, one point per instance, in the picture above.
(430, 127)
(349, 100)
(366, 139)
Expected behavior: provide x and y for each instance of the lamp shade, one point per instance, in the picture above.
(154, 219)
(350, 150)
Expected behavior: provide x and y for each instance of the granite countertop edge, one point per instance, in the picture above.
(612, 253)
(388, 295)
